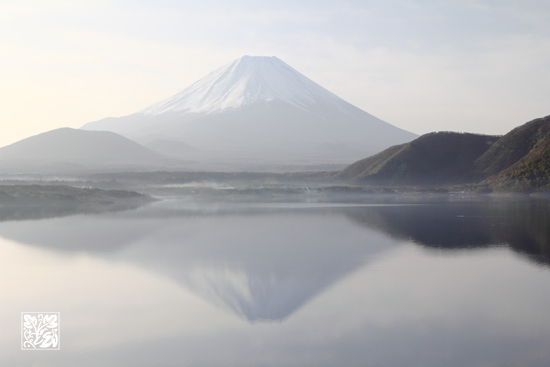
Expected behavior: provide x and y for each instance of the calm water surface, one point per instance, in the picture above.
(185, 283)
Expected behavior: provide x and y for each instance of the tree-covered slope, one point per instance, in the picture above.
(514, 146)
(530, 173)
(435, 158)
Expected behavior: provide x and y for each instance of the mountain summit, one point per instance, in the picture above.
(259, 109)
(246, 81)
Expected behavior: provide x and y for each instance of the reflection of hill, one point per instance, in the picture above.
(523, 225)
(261, 263)
(265, 262)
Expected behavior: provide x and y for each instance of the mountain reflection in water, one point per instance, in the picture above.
(261, 263)
(416, 283)
(522, 225)
(264, 262)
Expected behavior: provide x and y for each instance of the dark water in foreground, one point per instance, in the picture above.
(183, 283)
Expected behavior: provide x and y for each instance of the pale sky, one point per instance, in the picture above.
(459, 65)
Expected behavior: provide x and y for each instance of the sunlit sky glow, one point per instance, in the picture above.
(480, 66)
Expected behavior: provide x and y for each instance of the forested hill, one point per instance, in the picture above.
(532, 170)
(435, 158)
(517, 161)
(514, 146)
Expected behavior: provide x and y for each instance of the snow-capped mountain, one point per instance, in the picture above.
(260, 109)
(249, 80)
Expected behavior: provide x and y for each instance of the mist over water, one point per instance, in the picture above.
(184, 282)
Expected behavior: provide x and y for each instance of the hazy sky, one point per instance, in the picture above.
(480, 66)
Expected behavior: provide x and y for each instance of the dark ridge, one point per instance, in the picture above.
(530, 173)
(435, 158)
(514, 146)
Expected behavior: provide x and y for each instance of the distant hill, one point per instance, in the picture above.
(435, 158)
(69, 149)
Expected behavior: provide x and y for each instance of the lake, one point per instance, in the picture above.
(185, 282)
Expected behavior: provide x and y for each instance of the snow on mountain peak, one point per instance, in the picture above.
(245, 81)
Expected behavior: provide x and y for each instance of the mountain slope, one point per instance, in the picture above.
(435, 158)
(263, 109)
(514, 146)
(171, 148)
(532, 170)
(77, 148)
(246, 81)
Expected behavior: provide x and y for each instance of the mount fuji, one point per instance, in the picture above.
(259, 109)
